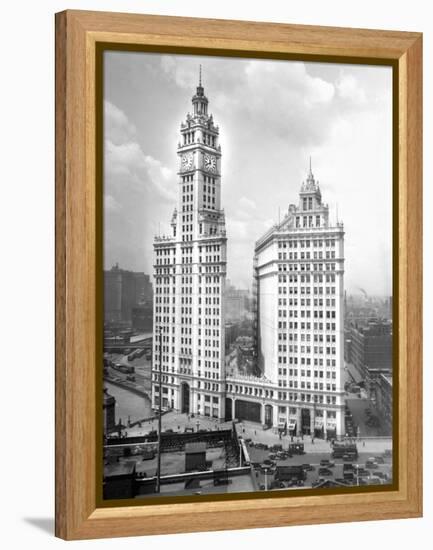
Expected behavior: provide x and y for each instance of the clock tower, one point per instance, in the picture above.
(199, 154)
(190, 271)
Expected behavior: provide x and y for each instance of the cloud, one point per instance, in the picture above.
(110, 203)
(126, 162)
(117, 127)
(244, 202)
(350, 89)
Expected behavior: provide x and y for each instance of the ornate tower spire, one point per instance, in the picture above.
(199, 100)
(310, 177)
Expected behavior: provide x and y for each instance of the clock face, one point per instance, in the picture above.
(210, 163)
(187, 161)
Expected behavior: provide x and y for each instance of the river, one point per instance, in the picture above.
(129, 404)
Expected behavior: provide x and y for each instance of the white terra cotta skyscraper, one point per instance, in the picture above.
(299, 271)
(189, 276)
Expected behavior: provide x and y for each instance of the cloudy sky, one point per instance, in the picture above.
(272, 116)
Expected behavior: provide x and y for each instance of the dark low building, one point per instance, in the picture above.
(142, 317)
(119, 480)
(383, 395)
(109, 407)
(195, 457)
(231, 333)
(371, 346)
(124, 290)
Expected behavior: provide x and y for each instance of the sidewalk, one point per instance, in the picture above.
(250, 430)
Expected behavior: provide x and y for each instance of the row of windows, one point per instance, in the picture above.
(306, 267)
(304, 349)
(307, 385)
(248, 390)
(209, 259)
(208, 201)
(209, 189)
(316, 326)
(209, 311)
(318, 362)
(307, 373)
(187, 198)
(293, 337)
(306, 278)
(306, 255)
(212, 229)
(318, 412)
(317, 291)
(209, 139)
(318, 302)
(307, 203)
(183, 291)
(307, 313)
(187, 320)
(316, 243)
(309, 289)
(330, 400)
(188, 137)
(307, 221)
(164, 251)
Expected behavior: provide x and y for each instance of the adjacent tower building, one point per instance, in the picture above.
(189, 277)
(299, 268)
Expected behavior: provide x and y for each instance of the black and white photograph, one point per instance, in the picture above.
(248, 275)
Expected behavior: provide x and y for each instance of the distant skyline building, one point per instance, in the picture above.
(189, 275)
(299, 271)
(123, 291)
(237, 302)
(370, 349)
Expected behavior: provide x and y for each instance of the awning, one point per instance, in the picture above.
(292, 425)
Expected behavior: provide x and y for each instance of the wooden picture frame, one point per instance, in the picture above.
(78, 281)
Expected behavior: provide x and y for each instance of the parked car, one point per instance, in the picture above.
(308, 467)
(327, 463)
(325, 472)
(374, 480)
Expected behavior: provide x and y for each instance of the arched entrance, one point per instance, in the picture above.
(185, 397)
(247, 410)
(229, 409)
(269, 416)
(306, 422)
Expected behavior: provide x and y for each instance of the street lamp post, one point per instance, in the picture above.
(158, 466)
(240, 452)
(266, 479)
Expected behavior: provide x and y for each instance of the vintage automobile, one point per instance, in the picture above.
(325, 472)
(327, 463)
